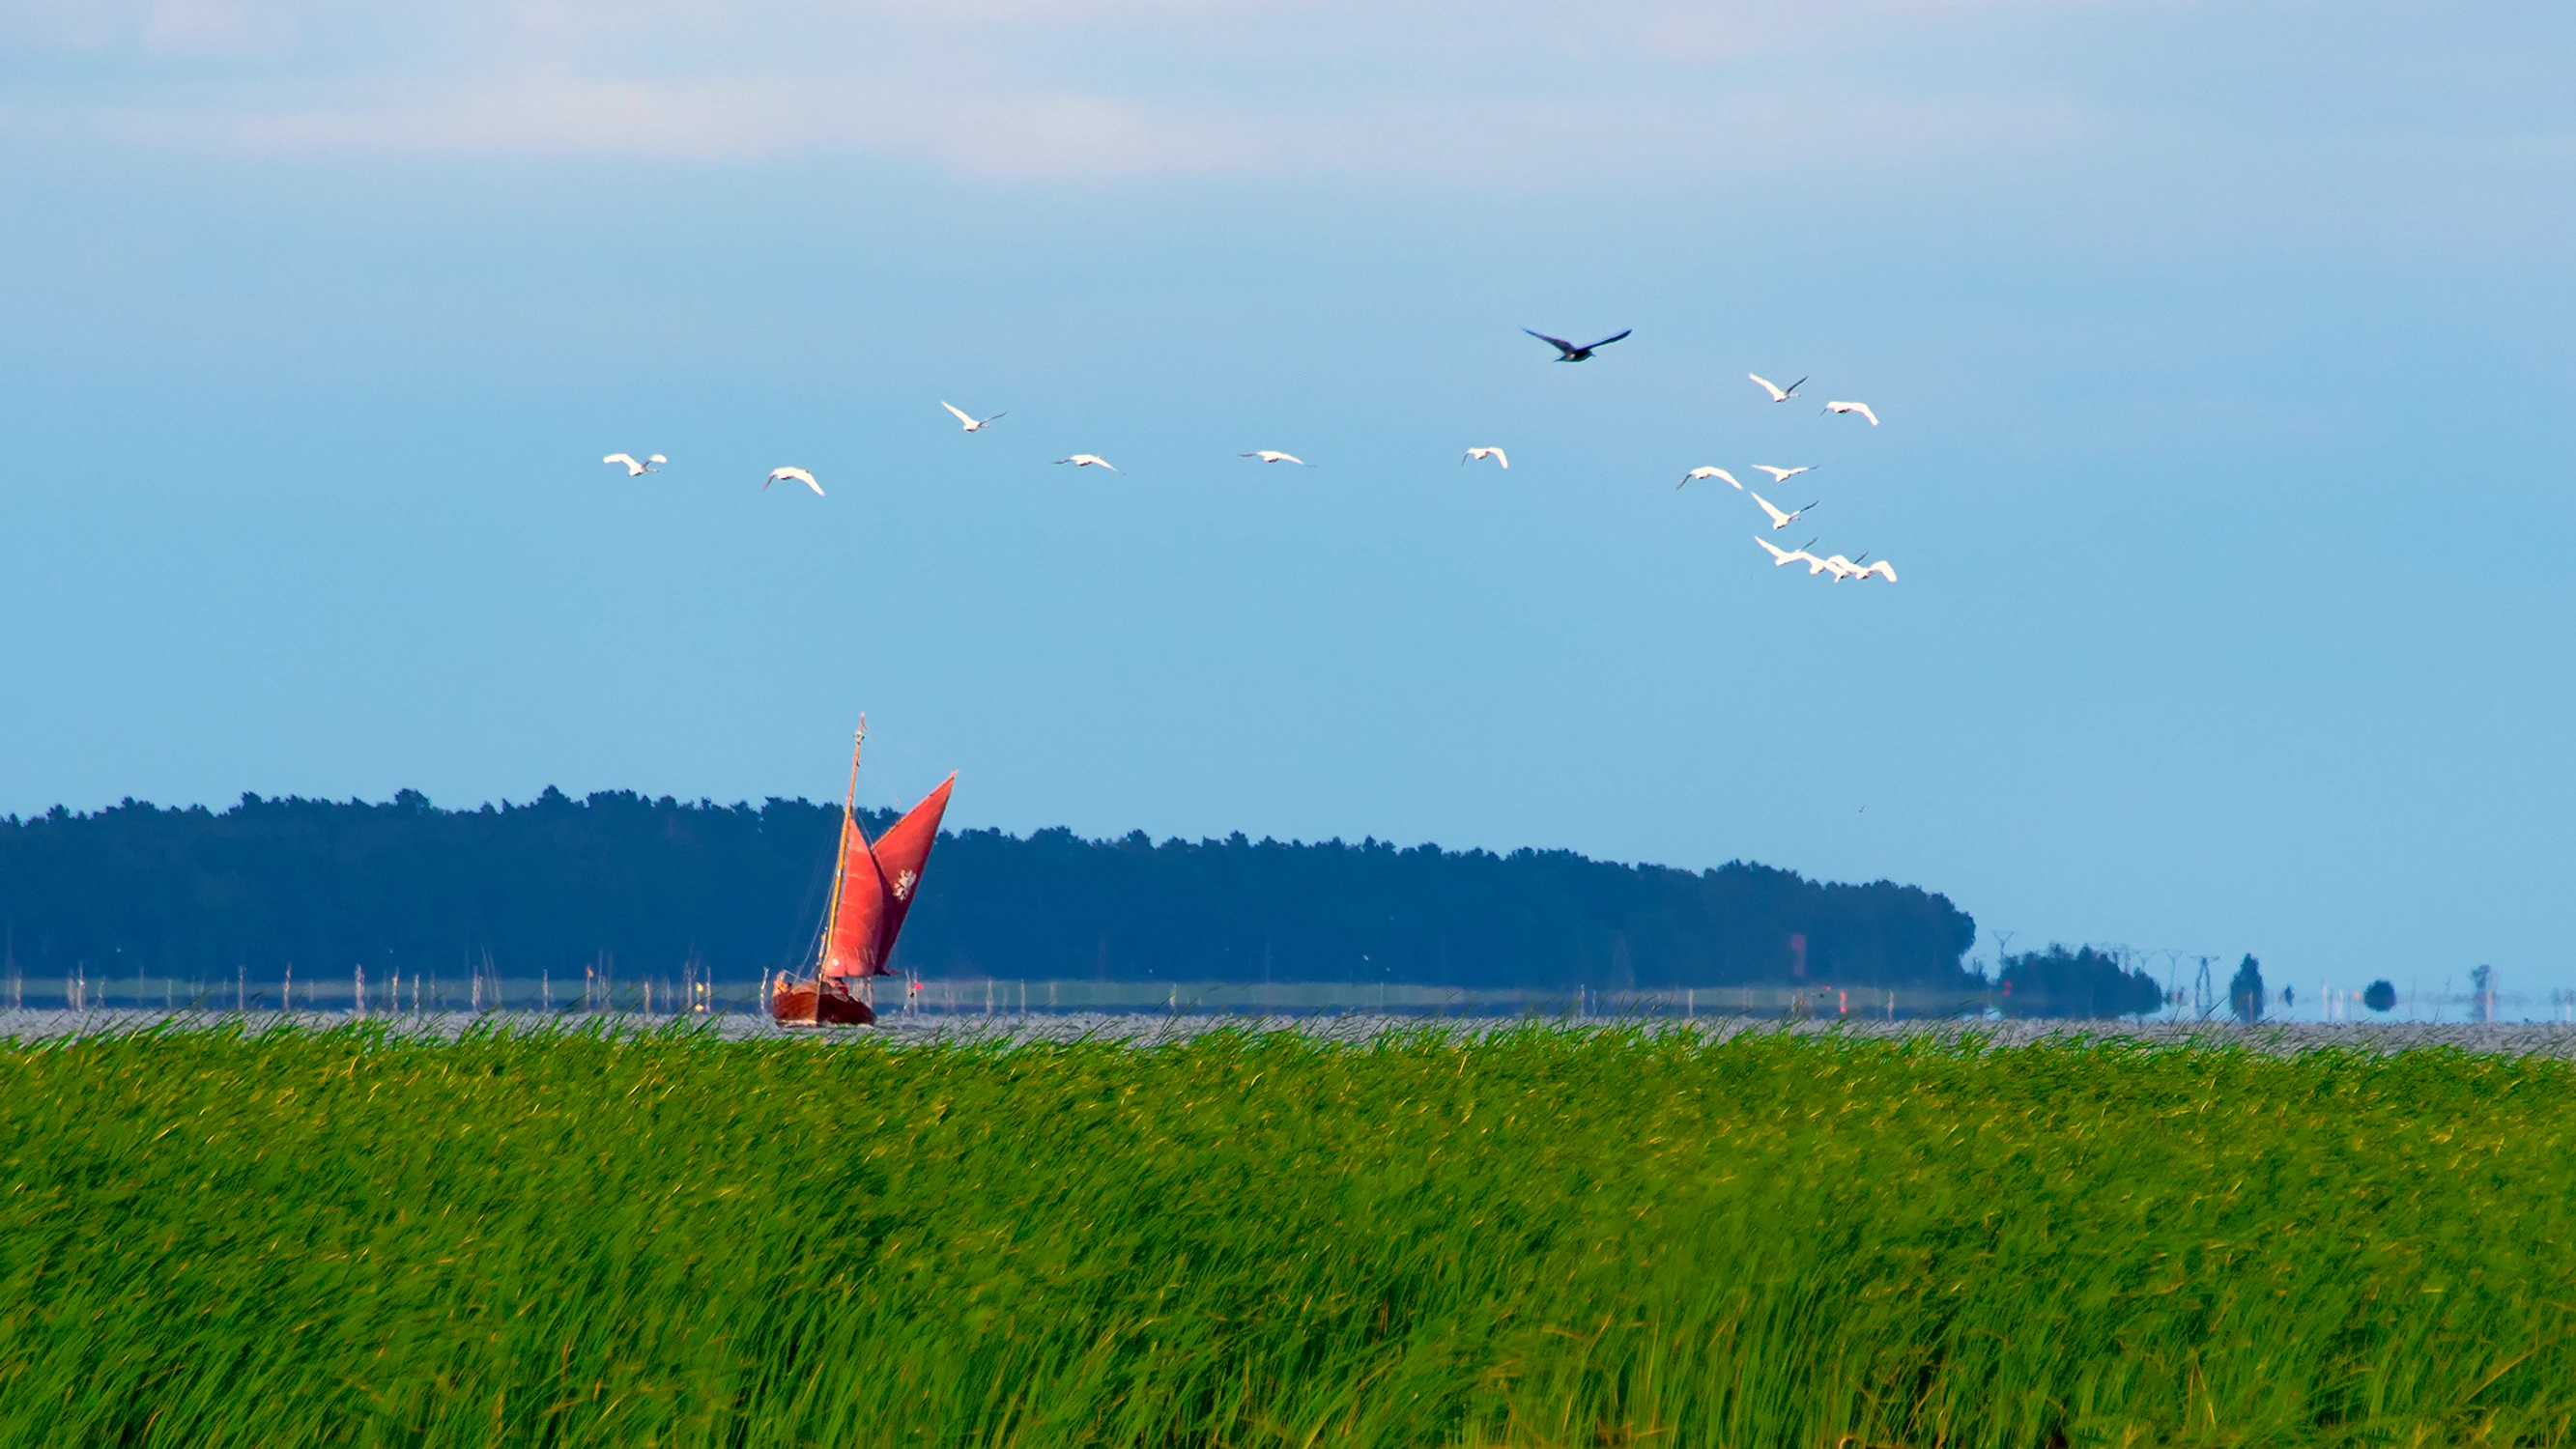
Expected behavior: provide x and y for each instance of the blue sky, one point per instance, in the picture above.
(2223, 352)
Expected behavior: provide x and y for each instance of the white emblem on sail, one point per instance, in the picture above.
(903, 885)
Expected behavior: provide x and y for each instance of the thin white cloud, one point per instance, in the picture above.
(1040, 134)
(202, 27)
(559, 114)
(1499, 91)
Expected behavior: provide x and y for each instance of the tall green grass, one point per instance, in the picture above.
(1543, 1238)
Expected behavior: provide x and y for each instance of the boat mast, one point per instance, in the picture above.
(841, 851)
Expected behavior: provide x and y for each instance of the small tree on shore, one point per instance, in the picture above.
(2245, 990)
(2379, 996)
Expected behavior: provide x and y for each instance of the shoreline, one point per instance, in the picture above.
(2549, 1039)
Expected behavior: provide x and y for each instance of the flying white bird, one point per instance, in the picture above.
(1696, 474)
(1853, 407)
(1480, 454)
(1568, 352)
(973, 424)
(799, 474)
(1843, 568)
(1778, 393)
(1088, 460)
(1781, 555)
(1778, 519)
(1880, 567)
(1273, 455)
(1783, 475)
(633, 468)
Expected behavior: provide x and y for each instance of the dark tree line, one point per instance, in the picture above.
(554, 883)
(2060, 983)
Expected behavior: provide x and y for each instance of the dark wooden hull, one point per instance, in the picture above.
(807, 1003)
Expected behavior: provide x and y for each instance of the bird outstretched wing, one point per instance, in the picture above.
(1606, 341)
(632, 467)
(957, 412)
(1559, 343)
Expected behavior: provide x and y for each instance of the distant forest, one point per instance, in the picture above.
(554, 883)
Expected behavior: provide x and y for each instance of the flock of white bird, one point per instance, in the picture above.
(1833, 563)
(1839, 567)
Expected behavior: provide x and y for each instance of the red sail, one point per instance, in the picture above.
(856, 937)
(903, 853)
(877, 886)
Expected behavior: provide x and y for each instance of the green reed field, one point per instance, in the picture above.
(1547, 1237)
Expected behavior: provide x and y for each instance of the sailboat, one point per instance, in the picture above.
(873, 887)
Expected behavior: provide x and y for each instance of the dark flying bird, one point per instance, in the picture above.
(1568, 352)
